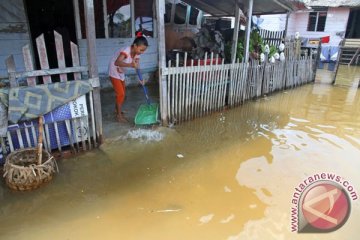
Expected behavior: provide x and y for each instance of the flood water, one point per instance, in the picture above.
(348, 76)
(229, 176)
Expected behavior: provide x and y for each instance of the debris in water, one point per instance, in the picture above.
(228, 219)
(206, 219)
(227, 189)
(179, 155)
(222, 118)
(168, 210)
(145, 135)
(252, 206)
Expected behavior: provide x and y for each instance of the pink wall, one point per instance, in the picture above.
(336, 21)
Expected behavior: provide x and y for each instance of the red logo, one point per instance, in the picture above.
(324, 207)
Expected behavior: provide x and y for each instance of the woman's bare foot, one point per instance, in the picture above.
(121, 118)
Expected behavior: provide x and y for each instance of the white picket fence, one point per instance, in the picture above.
(197, 90)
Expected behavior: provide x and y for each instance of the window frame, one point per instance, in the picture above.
(106, 22)
(316, 26)
(187, 18)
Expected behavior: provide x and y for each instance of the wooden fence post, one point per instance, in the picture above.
(341, 45)
(160, 10)
(93, 70)
(248, 30)
(11, 69)
(317, 60)
(235, 34)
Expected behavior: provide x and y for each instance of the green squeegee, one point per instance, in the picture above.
(147, 113)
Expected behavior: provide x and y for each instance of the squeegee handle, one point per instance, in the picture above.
(144, 88)
(139, 74)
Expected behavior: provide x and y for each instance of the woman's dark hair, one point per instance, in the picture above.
(140, 41)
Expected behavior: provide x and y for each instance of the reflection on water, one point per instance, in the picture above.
(227, 176)
(348, 75)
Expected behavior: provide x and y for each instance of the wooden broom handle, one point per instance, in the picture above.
(40, 140)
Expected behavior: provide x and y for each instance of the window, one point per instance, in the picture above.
(193, 16)
(317, 21)
(167, 16)
(180, 13)
(144, 17)
(119, 19)
(99, 19)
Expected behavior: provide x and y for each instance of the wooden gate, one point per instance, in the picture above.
(75, 133)
(272, 37)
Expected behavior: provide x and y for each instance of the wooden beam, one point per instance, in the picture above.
(282, 5)
(341, 45)
(160, 11)
(29, 66)
(106, 23)
(132, 18)
(91, 58)
(60, 55)
(43, 58)
(53, 71)
(11, 69)
(154, 22)
(286, 25)
(77, 19)
(248, 30)
(235, 34)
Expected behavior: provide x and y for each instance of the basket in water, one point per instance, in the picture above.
(22, 171)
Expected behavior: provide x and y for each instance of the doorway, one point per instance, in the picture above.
(45, 16)
(353, 27)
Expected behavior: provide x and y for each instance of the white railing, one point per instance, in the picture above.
(198, 88)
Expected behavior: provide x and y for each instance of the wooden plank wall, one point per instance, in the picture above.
(14, 33)
(105, 48)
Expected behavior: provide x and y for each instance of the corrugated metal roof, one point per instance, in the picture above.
(332, 3)
(227, 7)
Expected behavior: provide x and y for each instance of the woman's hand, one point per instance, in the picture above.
(142, 82)
(135, 63)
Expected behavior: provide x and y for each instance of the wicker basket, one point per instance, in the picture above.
(22, 171)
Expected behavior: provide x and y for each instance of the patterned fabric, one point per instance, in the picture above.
(4, 96)
(3, 111)
(26, 103)
(3, 120)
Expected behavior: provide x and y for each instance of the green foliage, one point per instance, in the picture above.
(239, 51)
(227, 51)
(273, 50)
(256, 42)
(256, 47)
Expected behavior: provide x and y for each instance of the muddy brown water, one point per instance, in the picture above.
(229, 176)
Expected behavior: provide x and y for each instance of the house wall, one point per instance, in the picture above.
(14, 33)
(336, 22)
(105, 48)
